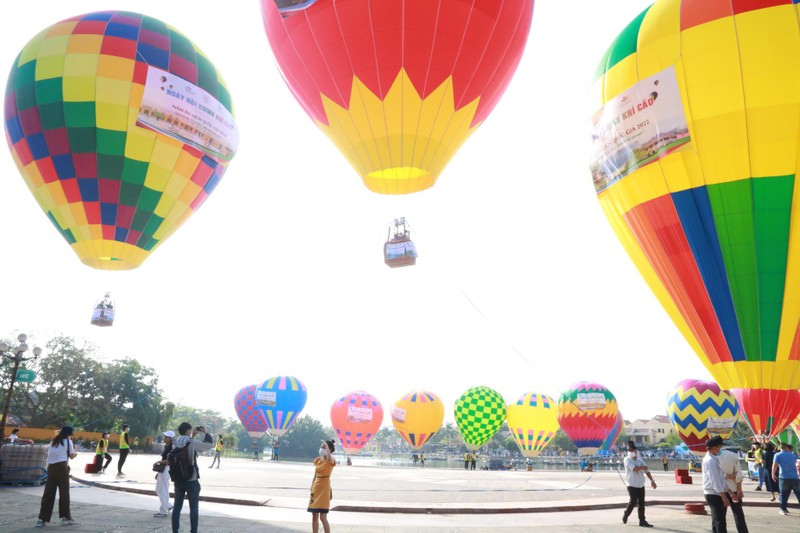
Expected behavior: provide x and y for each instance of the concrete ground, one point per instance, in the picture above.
(249, 496)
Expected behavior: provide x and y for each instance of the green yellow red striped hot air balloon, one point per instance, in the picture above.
(787, 436)
(587, 412)
(532, 422)
(699, 410)
(696, 137)
(121, 128)
(479, 413)
(417, 416)
(398, 85)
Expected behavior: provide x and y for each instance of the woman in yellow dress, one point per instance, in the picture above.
(320, 502)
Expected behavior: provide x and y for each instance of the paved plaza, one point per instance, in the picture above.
(264, 496)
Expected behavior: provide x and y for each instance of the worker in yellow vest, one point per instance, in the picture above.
(218, 447)
(102, 452)
(124, 448)
(466, 461)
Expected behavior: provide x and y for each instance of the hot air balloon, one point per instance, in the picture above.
(280, 399)
(532, 422)
(398, 86)
(587, 413)
(399, 250)
(699, 184)
(121, 128)
(608, 443)
(417, 416)
(104, 312)
(248, 412)
(356, 417)
(787, 436)
(699, 410)
(796, 426)
(479, 413)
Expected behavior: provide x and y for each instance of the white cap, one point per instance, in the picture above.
(170, 434)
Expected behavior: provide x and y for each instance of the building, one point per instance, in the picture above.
(649, 432)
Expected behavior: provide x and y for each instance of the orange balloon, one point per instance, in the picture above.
(356, 418)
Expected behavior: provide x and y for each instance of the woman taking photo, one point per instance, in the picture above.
(320, 502)
(59, 453)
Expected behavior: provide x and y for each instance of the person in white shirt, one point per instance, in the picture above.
(715, 489)
(59, 453)
(729, 462)
(635, 470)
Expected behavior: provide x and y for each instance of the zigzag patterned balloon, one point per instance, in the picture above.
(700, 410)
(587, 413)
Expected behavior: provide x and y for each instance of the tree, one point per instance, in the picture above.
(303, 438)
(561, 442)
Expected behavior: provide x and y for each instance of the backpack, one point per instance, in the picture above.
(181, 464)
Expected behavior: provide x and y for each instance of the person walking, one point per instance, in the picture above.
(635, 470)
(101, 452)
(729, 462)
(715, 489)
(319, 503)
(124, 448)
(162, 478)
(60, 451)
(760, 470)
(665, 462)
(784, 472)
(189, 486)
(218, 447)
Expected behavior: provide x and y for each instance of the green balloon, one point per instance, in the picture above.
(788, 436)
(480, 412)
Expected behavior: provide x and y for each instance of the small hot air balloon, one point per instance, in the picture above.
(417, 416)
(398, 86)
(532, 422)
(280, 399)
(121, 128)
(399, 250)
(608, 444)
(587, 413)
(104, 312)
(699, 185)
(356, 417)
(248, 412)
(699, 410)
(479, 413)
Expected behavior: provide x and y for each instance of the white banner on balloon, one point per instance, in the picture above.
(267, 398)
(398, 414)
(359, 414)
(637, 127)
(720, 425)
(184, 111)
(591, 401)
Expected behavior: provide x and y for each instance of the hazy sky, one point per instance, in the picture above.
(520, 285)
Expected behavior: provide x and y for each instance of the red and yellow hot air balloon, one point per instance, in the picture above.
(532, 421)
(121, 128)
(700, 184)
(417, 416)
(587, 412)
(398, 85)
(355, 418)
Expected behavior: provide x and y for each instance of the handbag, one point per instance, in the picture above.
(158, 467)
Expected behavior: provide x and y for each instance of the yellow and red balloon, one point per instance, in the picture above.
(417, 416)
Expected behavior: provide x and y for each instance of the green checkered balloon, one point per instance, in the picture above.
(480, 412)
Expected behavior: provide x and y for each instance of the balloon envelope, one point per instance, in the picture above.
(417, 416)
(280, 399)
(398, 86)
(787, 436)
(248, 412)
(608, 443)
(532, 421)
(105, 118)
(479, 413)
(699, 410)
(699, 184)
(356, 417)
(587, 412)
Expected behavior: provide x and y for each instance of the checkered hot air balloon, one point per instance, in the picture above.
(533, 422)
(356, 418)
(479, 413)
(121, 128)
(587, 413)
(417, 416)
(248, 412)
(398, 85)
(694, 163)
(280, 399)
(699, 410)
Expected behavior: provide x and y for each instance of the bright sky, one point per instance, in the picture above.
(520, 285)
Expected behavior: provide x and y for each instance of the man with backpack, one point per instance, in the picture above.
(184, 472)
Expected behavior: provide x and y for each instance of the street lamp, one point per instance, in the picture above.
(17, 355)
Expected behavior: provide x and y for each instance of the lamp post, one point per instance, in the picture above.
(17, 355)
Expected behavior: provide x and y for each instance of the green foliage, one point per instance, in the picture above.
(212, 420)
(302, 439)
(561, 442)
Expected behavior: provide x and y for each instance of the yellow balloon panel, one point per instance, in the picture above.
(533, 421)
(417, 416)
